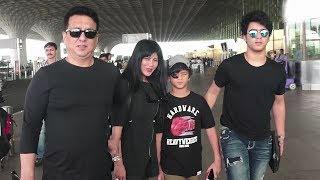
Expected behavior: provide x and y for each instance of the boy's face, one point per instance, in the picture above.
(257, 37)
(180, 80)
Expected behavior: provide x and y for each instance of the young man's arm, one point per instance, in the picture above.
(213, 138)
(212, 94)
(114, 145)
(279, 115)
(158, 143)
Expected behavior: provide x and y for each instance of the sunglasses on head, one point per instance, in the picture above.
(76, 33)
(253, 33)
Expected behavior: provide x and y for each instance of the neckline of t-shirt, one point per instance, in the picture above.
(79, 67)
(181, 97)
(245, 60)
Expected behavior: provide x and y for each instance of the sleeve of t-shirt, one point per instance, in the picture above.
(207, 120)
(120, 105)
(35, 107)
(282, 84)
(221, 78)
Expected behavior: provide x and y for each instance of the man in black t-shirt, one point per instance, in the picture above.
(186, 113)
(74, 97)
(253, 86)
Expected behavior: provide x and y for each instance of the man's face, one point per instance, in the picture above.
(51, 52)
(80, 47)
(257, 37)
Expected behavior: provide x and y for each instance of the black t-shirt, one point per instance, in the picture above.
(75, 102)
(181, 140)
(249, 95)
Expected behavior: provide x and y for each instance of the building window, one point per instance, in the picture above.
(295, 40)
(313, 39)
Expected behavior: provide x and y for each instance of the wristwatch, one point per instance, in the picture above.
(281, 137)
(116, 158)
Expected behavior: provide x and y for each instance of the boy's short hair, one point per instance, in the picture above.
(257, 16)
(178, 63)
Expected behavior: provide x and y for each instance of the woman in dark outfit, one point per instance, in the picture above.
(144, 86)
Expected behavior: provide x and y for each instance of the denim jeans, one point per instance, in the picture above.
(42, 138)
(244, 159)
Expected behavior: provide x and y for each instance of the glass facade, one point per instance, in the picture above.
(313, 39)
(294, 37)
(304, 35)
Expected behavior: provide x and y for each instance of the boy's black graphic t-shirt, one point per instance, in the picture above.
(181, 140)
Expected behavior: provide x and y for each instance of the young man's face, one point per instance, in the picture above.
(80, 47)
(51, 52)
(180, 80)
(257, 37)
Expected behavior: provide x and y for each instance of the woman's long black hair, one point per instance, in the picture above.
(133, 74)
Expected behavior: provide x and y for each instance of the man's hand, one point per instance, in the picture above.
(119, 170)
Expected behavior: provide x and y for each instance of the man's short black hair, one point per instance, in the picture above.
(51, 44)
(81, 10)
(256, 16)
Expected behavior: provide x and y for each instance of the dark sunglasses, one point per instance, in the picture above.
(76, 33)
(253, 33)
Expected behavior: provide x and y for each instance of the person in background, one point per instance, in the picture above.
(51, 52)
(253, 85)
(74, 96)
(273, 54)
(281, 56)
(105, 57)
(144, 86)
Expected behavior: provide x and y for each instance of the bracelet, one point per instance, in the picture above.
(281, 137)
(116, 158)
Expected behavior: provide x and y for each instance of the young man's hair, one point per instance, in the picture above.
(51, 44)
(133, 74)
(81, 10)
(258, 17)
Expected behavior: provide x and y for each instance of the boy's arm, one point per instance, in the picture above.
(279, 113)
(158, 143)
(213, 138)
(212, 94)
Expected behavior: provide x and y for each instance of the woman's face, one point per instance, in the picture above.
(148, 65)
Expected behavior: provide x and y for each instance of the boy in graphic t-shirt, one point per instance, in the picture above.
(179, 137)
